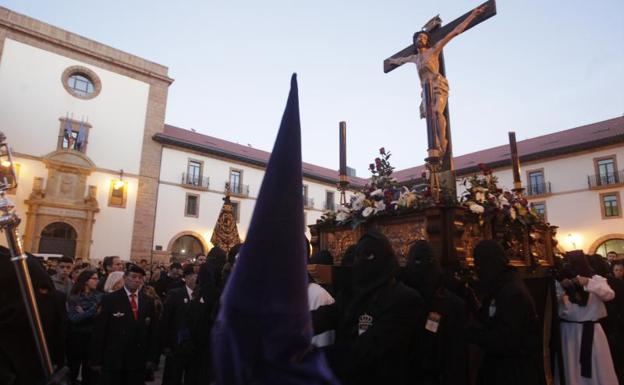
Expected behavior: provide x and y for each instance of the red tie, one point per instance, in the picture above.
(133, 305)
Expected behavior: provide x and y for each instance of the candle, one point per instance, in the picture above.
(343, 148)
(515, 161)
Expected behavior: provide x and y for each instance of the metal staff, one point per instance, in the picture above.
(9, 222)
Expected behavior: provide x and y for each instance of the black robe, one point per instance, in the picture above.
(508, 334)
(373, 335)
(441, 351)
(613, 325)
(19, 361)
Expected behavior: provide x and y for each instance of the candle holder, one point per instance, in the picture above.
(342, 187)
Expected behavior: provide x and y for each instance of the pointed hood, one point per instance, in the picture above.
(263, 330)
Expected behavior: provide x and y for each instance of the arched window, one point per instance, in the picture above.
(615, 244)
(186, 247)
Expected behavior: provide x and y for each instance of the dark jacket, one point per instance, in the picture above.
(165, 284)
(508, 334)
(82, 322)
(120, 343)
(204, 310)
(373, 334)
(174, 329)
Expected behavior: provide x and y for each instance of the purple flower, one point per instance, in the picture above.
(382, 151)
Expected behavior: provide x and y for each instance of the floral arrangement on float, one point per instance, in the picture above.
(383, 196)
(488, 202)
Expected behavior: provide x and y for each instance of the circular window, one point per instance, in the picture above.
(81, 82)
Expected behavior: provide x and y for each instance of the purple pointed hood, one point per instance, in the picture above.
(263, 330)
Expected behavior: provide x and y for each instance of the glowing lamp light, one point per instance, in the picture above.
(118, 184)
(183, 251)
(6, 163)
(574, 241)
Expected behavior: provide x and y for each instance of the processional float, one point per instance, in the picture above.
(428, 206)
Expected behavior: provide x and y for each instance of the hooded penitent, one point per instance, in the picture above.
(490, 261)
(422, 270)
(578, 263)
(375, 263)
(263, 330)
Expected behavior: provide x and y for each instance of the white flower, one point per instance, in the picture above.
(477, 209)
(367, 211)
(377, 192)
(342, 216)
(357, 201)
(342, 208)
(480, 197)
(503, 201)
(380, 206)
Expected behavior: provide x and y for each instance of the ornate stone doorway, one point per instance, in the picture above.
(61, 214)
(58, 238)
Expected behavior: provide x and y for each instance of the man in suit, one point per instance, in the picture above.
(111, 263)
(123, 344)
(169, 281)
(175, 332)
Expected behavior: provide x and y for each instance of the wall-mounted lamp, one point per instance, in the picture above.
(118, 192)
(119, 183)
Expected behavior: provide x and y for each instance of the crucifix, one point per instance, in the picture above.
(426, 53)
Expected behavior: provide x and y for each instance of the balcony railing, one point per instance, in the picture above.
(238, 189)
(538, 189)
(605, 179)
(195, 181)
(329, 206)
(308, 202)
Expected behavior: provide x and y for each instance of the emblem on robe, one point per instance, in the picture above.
(364, 322)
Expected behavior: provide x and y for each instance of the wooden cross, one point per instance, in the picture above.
(436, 33)
(441, 31)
